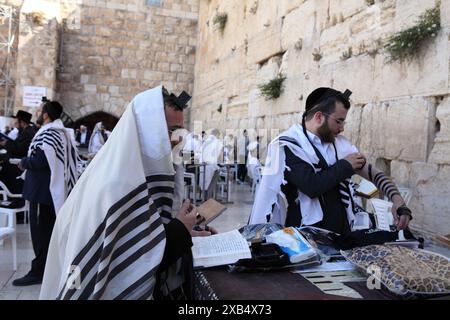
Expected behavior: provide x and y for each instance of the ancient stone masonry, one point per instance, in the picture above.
(123, 47)
(95, 55)
(400, 113)
(8, 53)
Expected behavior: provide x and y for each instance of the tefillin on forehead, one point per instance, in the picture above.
(180, 101)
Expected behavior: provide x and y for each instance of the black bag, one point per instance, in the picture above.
(361, 238)
(264, 256)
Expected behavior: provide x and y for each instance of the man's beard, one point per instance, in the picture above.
(325, 134)
(40, 120)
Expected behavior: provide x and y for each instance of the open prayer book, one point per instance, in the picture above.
(219, 249)
(383, 215)
(366, 189)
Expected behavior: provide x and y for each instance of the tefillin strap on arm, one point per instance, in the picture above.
(384, 184)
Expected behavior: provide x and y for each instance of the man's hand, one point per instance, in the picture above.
(203, 233)
(188, 215)
(357, 160)
(19, 165)
(402, 221)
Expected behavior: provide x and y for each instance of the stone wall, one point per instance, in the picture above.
(119, 48)
(38, 48)
(400, 114)
(4, 34)
(95, 55)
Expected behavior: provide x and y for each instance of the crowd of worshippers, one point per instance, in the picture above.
(92, 140)
(206, 154)
(122, 229)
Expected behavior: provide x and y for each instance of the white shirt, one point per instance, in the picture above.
(325, 148)
(13, 133)
(83, 137)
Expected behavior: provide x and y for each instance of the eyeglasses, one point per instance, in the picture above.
(338, 121)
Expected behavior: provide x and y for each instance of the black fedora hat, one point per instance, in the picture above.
(24, 116)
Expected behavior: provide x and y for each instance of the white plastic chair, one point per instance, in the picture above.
(255, 173)
(222, 180)
(193, 179)
(10, 231)
(406, 194)
(6, 194)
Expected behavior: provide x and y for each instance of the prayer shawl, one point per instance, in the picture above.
(59, 148)
(97, 141)
(109, 238)
(210, 155)
(270, 193)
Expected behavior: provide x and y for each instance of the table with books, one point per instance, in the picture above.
(227, 268)
(268, 274)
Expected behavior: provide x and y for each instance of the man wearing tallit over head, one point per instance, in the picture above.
(115, 237)
(98, 138)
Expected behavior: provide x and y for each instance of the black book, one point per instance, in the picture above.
(5, 137)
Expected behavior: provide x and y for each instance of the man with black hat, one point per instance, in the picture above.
(311, 165)
(51, 173)
(18, 148)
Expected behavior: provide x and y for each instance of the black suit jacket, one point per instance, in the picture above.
(88, 137)
(19, 148)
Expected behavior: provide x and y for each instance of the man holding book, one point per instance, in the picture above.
(115, 237)
(18, 148)
(307, 180)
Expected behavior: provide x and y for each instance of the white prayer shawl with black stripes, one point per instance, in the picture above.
(269, 192)
(109, 237)
(96, 141)
(62, 157)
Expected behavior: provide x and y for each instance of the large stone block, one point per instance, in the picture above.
(387, 129)
(427, 74)
(401, 173)
(299, 25)
(408, 11)
(431, 197)
(440, 153)
(271, 38)
(346, 8)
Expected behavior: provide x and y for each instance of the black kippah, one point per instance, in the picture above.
(54, 109)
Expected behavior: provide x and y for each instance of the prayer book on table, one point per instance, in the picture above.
(219, 249)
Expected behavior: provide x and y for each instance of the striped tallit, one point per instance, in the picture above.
(62, 156)
(109, 238)
(269, 192)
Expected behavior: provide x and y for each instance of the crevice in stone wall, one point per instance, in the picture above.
(358, 133)
(265, 60)
(435, 127)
